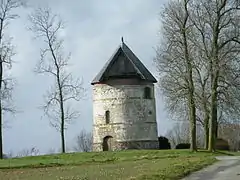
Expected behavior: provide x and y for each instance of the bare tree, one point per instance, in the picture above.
(54, 63)
(28, 152)
(213, 38)
(175, 61)
(179, 133)
(84, 142)
(217, 24)
(7, 14)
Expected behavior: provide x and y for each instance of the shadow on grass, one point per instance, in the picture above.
(225, 153)
(218, 152)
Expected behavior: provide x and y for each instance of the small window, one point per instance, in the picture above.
(147, 93)
(107, 117)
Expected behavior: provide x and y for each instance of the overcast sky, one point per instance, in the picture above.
(93, 31)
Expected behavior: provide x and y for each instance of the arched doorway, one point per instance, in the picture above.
(107, 143)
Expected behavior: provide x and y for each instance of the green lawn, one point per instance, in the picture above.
(141, 164)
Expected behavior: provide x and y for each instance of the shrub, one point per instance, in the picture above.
(183, 146)
(221, 144)
(164, 143)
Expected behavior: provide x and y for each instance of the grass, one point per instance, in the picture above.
(141, 164)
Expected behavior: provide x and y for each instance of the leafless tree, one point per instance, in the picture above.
(175, 61)
(213, 37)
(84, 142)
(55, 64)
(202, 92)
(28, 152)
(7, 14)
(179, 133)
(217, 25)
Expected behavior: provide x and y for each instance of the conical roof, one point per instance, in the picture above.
(123, 64)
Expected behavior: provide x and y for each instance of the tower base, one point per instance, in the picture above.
(117, 146)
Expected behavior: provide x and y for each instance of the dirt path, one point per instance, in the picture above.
(228, 168)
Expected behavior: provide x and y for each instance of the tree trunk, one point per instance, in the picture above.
(1, 119)
(192, 110)
(62, 109)
(62, 128)
(61, 103)
(191, 100)
(214, 65)
(213, 118)
(216, 130)
(192, 119)
(63, 137)
(1, 108)
(1, 135)
(62, 116)
(206, 124)
(206, 131)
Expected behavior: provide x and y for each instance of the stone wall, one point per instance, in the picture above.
(132, 117)
(129, 145)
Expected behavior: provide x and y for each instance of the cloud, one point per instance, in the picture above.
(93, 32)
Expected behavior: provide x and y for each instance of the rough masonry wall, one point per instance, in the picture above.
(132, 118)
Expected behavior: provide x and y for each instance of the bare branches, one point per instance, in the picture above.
(212, 31)
(175, 62)
(54, 63)
(179, 133)
(6, 54)
(6, 95)
(28, 152)
(6, 9)
(84, 142)
(46, 24)
(218, 25)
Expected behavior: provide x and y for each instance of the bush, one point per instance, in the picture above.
(222, 144)
(164, 143)
(183, 146)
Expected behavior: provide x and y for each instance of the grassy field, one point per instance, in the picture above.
(141, 164)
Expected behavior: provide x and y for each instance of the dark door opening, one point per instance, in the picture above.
(107, 143)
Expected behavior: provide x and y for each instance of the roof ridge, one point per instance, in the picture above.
(132, 61)
(138, 63)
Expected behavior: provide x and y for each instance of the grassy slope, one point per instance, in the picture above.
(169, 164)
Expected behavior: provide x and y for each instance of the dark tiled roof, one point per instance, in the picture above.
(123, 64)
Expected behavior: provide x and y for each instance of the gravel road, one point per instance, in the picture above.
(228, 168)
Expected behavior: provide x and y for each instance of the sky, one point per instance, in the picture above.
(93, 31)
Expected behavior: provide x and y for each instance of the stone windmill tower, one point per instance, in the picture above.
(124, 111)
